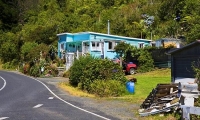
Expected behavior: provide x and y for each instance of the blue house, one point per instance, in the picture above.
(101, 45)
(96, 44)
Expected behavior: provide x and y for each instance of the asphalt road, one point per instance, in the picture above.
(26, 98)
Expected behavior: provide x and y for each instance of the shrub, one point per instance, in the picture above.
(107, 88)
(66, 74)
(35, 70)
(10, 65)
(26, 68)
(76, 70)
(88, 69)
(145, 61)
(51, 70)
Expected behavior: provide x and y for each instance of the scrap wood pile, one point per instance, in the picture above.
(161, 99)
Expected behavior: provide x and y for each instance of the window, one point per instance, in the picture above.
(96, 46)
(93, 44)
(111, 45)
(62, 47)
(153, 44)
(141, 45)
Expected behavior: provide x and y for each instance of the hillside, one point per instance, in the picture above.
(28, 23)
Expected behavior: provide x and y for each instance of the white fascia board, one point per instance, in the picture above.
(130, 38)
(64, 34)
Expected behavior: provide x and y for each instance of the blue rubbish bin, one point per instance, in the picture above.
(130, 86)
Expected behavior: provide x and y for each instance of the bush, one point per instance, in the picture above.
(107, 88)
(66, 74)
(145, 61)
(10, 65)
(88, 69)
(35, 71)
(76, 70)
(51, 70)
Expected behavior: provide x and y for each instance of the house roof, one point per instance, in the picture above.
(186, 46)
(168, 39)
(102, 34)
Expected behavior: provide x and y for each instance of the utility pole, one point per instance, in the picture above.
(108, 27)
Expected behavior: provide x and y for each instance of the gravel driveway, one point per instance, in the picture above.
(119, 110)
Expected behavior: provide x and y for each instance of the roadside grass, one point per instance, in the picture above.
(0, 65)
(144, 85)
(74, 90)
(146, 82)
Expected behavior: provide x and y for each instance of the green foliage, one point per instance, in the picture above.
(26, 48)
(145, 61)
(8, 47)
(121, 48)
(66, 74)
(142, 55)
(196, 104)
(196, 68)
(35, 70)
(76, 70)
(38, 22)
(87, 69)
(107, 88)
(51, 70)
(10, 65)
(39, 51)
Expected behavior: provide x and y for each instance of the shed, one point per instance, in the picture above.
(167, 42)
(181, 61)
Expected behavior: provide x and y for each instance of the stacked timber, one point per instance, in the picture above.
(163, 98)
(163, 93)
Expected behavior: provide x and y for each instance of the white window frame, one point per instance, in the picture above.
(62, 47)
(141, 45)
(113, 43)
(153, 44)
(96, 46)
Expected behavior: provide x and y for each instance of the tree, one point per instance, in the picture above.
(38, 52)
(8, 47)
(121, 49)
(145, 61)
(26, 48)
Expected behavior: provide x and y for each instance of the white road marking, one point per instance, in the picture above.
(4, 84)
(50, 98)
(3, 118)
(37, 106)
(70, 103)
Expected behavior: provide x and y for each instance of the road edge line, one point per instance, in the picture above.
(4, 85)
(66, 101)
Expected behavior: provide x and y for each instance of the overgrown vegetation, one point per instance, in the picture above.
(142, 55)
(94, 74)
(142, 90)
(26, 24)
(196, 68)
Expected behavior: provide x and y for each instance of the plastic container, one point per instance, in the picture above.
(130, 86)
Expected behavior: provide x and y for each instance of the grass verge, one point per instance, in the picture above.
(145, 83)
(73, 91)
(0, 65)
